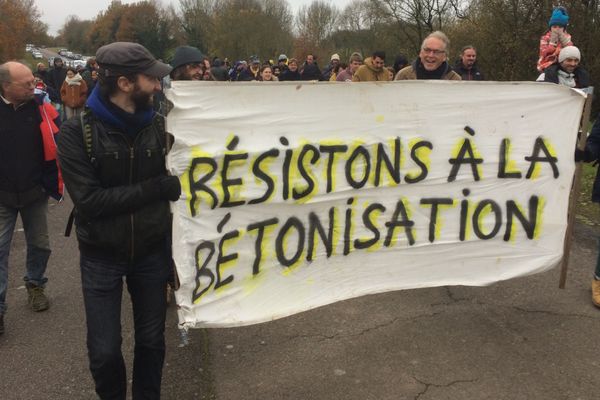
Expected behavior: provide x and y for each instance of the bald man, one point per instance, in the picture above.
(28, 175)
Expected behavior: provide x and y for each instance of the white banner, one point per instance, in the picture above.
(299, 195)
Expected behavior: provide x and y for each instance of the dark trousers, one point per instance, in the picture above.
(102, 283)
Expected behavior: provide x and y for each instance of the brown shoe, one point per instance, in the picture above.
(36, 298)
(596, 292)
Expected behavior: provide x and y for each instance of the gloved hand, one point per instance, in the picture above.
(554, 37)
(170, 188)
(564, 39)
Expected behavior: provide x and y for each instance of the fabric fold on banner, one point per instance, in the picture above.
(298, 195)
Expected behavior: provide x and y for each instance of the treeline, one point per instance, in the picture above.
(505, 32)
(20, 24)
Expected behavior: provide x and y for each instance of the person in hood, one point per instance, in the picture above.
(373, 69)
(432, 62)
(54, 80)
(467, 66)
(121, 192)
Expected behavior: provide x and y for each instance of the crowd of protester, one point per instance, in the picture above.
(113, 93)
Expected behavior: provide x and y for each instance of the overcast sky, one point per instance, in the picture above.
(54, 12)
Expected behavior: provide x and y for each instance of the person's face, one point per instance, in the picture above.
(310, 59)
(41, 67)
(433, 54)
(282, 63)
(335, 62)
(293, 67)
(21, 86)
(469, 57)
(143, 91)
(557, 28)
(569, 64)
(378, 62)
(276, 71)
(354, 66)
(267, 74)
(70, 74)
(194, 72)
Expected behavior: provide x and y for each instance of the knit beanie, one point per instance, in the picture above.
(569, 52)
(559, 17)
(186, 55)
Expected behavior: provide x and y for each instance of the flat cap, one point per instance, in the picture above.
(123, 58)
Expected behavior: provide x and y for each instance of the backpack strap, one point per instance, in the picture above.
(86, 132)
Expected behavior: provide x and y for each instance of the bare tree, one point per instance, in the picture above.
(316, 22)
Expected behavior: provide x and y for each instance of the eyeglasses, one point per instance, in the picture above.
(435, 52)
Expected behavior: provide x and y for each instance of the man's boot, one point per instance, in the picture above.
(36, 298)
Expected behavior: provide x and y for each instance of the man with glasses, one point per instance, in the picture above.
(373, 69)
(432, 61)
(121, 192)
(28, 175)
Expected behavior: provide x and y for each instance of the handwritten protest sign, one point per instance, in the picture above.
(299, 195)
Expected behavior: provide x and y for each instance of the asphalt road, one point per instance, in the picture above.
(519, 339)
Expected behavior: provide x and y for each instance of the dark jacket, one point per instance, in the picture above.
(119, 212)
(288, 75)
(473, 74)
(28, 166)
(311, 72)
(582, 78)
(219, 71)
(55, 79)
(592, 153)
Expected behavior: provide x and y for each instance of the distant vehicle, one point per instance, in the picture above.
(68, 54)
(37, 54)
(62, 52)
(77, 56)
(77, 63)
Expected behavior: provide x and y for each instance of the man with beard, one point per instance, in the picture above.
(188, 64)
(373, 69)
(567, 72)
(28, 175)
(432, 61)
(467, 67)
(113, 162)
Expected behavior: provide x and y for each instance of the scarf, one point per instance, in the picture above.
(422, 73)
(567, 79)
(108, 112)
(75, 80)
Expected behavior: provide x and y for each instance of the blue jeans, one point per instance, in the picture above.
(35, 225)
(102, 283)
